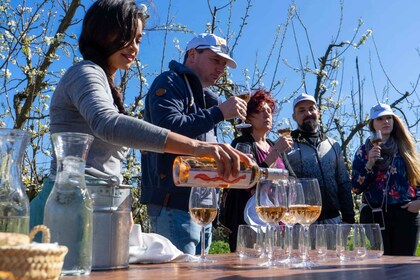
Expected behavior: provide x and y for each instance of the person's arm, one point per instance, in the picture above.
(226, 156)
(90, 95)
(169, 105)
(412, 206)
(362, 175)
(280, 146)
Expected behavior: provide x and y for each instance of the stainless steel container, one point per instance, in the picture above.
(111, 223)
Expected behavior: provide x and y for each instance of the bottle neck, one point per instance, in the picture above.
(274, 173)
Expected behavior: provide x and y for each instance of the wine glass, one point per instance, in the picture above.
(305, 206)
(271, 203)
(285, 129)
(289, 220)
(203, 210)
(246, 96)
(376, 139)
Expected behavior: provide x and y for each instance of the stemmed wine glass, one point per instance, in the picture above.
(376, 139)
(305, 205)
(289, 220)
(203, 210)
(246, 96)
(271, 203)
(285, 129)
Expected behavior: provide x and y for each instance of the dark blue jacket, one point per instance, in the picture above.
(169, 104)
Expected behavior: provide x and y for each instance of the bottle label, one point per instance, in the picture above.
(211, 178)
(277, 173)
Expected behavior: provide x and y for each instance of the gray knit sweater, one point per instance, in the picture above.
(82, 102)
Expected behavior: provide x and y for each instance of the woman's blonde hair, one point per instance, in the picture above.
(406, 148)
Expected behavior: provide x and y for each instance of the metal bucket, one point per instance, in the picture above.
(111, 223)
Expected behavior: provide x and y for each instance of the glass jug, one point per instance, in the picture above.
(14, 203)
(68, 210)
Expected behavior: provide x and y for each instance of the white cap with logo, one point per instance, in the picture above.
(379, 110)
(214, 43)
(303, 97)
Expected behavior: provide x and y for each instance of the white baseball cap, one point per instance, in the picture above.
(379, 110)
(214, 43)
(303, 97)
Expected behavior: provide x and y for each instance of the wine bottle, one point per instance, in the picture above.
(189, 171)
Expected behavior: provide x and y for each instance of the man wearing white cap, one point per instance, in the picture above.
(321, 157)
(179, 99)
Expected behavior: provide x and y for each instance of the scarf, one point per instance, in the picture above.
(388, 150)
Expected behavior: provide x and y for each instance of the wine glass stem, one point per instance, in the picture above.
(270, 234)
(305, 255)
(290, 241)
(203, 243)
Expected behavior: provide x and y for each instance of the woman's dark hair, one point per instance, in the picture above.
(109, 26)
(256, 103)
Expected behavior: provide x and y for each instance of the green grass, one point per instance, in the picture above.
(219, 247)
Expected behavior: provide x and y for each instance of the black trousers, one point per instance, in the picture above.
(401, 234)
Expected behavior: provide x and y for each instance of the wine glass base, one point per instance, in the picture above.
(204, 260)
(289, 261)
(305, 264)
(268, 263)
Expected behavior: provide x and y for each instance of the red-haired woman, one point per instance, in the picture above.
(266, 153)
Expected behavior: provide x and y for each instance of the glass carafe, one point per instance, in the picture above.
(14, 203)
(68, 210)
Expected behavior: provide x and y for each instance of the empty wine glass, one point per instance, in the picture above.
(305, 205)
(246, 96)
(271, 202)
(376, 139)
(203, 210)
(285, 129)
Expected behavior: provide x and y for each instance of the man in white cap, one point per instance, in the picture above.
(179, 99)
(321, 157)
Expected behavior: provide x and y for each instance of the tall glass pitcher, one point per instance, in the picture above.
(14, 203)
(68, 210)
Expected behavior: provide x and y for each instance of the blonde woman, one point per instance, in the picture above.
(387, 176)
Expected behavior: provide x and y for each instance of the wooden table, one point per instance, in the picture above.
(230, 266)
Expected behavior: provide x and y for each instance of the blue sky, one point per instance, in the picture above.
(395, 26)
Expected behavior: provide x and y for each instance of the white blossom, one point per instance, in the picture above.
(334, 83)
(48, 40)
(6, 73)
(11, 23)
(335, 63)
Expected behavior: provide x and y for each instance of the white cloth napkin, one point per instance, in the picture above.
(154, 248)
(250, 214)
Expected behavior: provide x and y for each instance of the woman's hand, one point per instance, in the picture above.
(227, 158)
(373, 155)
(412, 206)
(284, 143)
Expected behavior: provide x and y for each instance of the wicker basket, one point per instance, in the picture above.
(35, 260)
